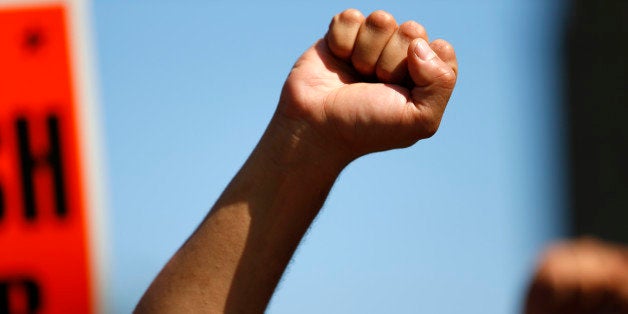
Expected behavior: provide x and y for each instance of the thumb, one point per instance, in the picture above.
(433, 68)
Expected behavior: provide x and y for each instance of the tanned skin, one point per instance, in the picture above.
(584, 276)
(370, 85)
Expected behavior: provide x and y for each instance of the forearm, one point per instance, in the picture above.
(236, 257)
(234, 260)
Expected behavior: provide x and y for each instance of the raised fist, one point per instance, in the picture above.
(370, 85)
(585, 276)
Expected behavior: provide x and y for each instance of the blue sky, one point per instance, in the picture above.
(451, 225)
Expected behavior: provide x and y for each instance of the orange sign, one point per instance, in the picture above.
(45, 260)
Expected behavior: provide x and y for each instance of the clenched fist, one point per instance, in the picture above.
(586, 276)
(369, 85)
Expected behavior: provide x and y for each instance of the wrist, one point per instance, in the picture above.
(293, 146)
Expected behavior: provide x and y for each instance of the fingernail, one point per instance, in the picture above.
(423, 50)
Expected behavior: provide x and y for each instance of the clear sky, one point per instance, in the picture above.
(451, 225)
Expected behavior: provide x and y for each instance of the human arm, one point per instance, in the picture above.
(334, 108)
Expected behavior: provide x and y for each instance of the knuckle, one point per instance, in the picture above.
(381, 20)
(443, 45)
(447, 48)
(411, 30)
(553, 260)
(444, 49)
(546, 266)
(446, 52)
(350, 16)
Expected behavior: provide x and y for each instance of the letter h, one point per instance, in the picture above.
(29, 164)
